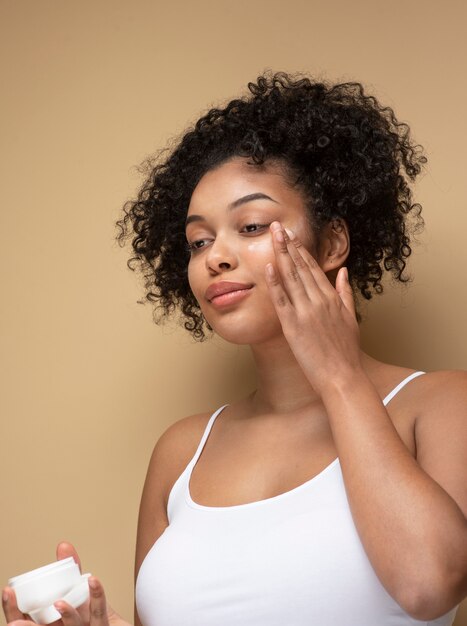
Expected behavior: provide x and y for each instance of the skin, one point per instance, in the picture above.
(228, 254)
(95, 612)
(318, 396)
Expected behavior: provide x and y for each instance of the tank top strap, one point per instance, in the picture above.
(400, 386)
(207, 430)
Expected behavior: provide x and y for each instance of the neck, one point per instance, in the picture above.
(281, 384)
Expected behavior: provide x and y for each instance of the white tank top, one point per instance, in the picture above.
(291, 560)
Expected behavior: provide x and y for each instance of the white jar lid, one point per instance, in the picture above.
(40, 571)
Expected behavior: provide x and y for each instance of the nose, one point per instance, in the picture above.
(221, 256)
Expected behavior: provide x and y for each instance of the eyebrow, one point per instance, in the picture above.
(233, 205)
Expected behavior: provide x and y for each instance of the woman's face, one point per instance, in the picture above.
(228, 228)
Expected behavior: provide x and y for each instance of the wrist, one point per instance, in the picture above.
(345, 382)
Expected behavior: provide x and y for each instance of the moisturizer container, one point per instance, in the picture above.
(37, 590)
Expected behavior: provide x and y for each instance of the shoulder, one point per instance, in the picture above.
(435, 401)
(182, 432)
(442, 402)
(428, 393)
(433, 394)
(444, 388)
(175, 448)
(171, 454)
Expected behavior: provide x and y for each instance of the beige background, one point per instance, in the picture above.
(89, 88)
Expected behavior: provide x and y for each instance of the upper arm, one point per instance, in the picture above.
(171, 454)
(441, 434)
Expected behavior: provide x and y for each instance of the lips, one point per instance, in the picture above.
(223, 286)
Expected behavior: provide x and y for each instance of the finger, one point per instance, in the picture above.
(344, 290)
(65, 550)
(287, 269)
(98, 603)
(320, 278)
(278, 295)
(305, 266)
(10, 606)
(68, 614)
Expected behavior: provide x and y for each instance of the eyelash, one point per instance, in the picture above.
(191, 246)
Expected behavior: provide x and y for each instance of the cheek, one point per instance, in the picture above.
(259, 253)
(261, 249)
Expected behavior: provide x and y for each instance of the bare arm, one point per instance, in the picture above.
(410, 514)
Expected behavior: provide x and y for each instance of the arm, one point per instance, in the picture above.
(410, 514)
(152, 518)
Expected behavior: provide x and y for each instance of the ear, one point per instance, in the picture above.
(334, 247)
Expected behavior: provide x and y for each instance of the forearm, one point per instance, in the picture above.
(411, 529)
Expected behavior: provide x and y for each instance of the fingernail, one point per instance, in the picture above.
(60, 608)
(290, 233)
(5, 597)
(93, 584)
(279, 235)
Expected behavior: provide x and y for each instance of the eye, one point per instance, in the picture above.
(192, 246)
(256, 227)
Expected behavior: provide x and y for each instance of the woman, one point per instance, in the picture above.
(335, 492)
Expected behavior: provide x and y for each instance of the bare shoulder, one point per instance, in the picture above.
(443, 389)
(427, 394)
(175, 448)
(171, 454)
(442, 404)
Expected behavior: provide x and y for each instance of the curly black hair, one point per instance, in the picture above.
(348, 154)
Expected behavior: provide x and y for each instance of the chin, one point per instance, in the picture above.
(246, 332)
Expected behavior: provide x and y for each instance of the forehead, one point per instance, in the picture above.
(235, 179)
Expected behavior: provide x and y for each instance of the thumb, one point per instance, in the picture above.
(345, 291)
(65, 550)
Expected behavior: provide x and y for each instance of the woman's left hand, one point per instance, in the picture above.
(318, 320)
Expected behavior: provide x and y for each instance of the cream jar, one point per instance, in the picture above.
(37, 590)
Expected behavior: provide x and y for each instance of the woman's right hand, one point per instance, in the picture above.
(94, 612)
